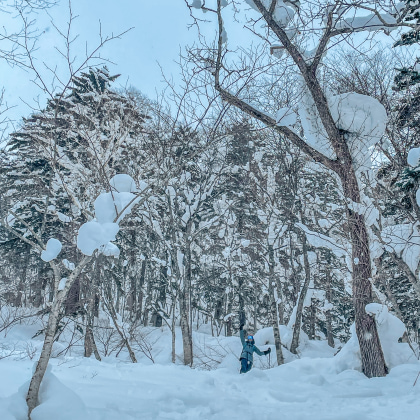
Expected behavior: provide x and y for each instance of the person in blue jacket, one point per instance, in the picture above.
(248, 348)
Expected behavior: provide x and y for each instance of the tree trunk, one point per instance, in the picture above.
(299, 311)
(328, 295)
(132, 298)
(229, 327)
(90, 345)
(141, 285)
(185, 329)
(274, 308)
(147, 304)
(312, 320)
(53, 319)
(173, 332)
(373, 361)
(185, 304)
(120, 330)
(41, 367)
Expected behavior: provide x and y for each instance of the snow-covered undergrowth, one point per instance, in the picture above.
(315, 385)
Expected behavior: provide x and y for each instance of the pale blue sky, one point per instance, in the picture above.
(160, 29)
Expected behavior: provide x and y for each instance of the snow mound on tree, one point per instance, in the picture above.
(56, 401)
(390, 329)
(362, 117)
(55, 397)
(413, 158)
(53, 248)
(359, 114)
(282, 14)
(265, 336)
(123, 183)
(110, 209)
(92, 235)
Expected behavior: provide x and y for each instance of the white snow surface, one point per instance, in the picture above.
(53, 248)
(315, 386)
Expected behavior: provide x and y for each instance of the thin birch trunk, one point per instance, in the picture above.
(328, 294)
(173, 333)
(299, 311)
(273, 307)
(90, 344)
(120, 330)
(53, 320)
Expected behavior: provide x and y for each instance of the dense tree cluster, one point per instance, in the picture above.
(278, 221)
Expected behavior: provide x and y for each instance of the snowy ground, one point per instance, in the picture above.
(319, 387)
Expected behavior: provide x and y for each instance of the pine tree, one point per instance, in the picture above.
(409, 76)
(63, 156)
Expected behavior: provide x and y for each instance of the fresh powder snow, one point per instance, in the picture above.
(314, 385)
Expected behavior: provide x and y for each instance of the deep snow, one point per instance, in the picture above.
(317, 386)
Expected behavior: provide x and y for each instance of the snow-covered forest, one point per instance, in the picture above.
(274, 192)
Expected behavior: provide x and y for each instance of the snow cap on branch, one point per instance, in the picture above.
(283, 13)
(53, 248)
(110, 209)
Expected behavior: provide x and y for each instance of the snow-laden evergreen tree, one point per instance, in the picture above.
(60, 160)
(409, 76)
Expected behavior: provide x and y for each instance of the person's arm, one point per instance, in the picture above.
(258, 351)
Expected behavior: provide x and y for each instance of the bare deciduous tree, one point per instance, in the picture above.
(288, 27)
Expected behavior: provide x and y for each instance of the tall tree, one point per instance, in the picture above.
(329, 138)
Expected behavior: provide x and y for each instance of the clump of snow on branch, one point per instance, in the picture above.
(371, 22)
(283, 13)
(123, 183)
(359, 114)
(63, 217)
(361, 117)
(196, 4)
(62, 283)
(286, 117)
(53, 248)
(110, 209)
(68, 264)
(93, 235)
(413, 158)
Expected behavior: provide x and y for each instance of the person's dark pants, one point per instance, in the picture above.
(245, 366)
